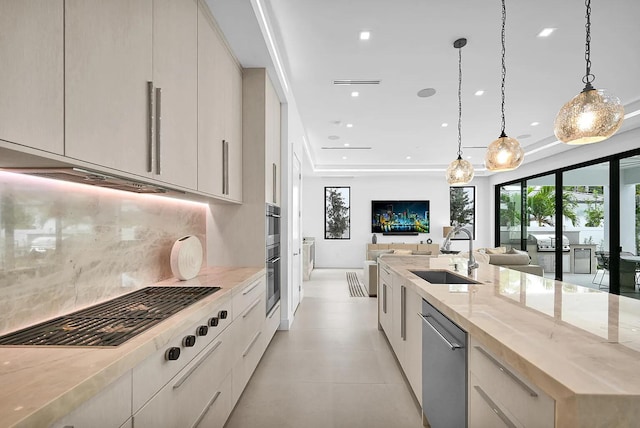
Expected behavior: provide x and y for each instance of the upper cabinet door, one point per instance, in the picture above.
(175, 74)
(31, 75)
(211, 108)
(108, 62)
(233, 129)
(272, 137)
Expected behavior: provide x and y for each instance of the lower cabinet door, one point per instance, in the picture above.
(185, 399)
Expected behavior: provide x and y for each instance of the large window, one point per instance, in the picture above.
(589, 233)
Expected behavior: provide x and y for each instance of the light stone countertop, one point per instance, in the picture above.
(42, 384)
(579, 345)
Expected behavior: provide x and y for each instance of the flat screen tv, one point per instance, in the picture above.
(400, 217)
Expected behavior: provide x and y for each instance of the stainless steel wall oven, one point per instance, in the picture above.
(273, 255)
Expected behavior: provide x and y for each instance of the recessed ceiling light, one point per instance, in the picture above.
(344, 157)
(444, 125)
(478, 93)
(408, 157)
(355, 93)
(535, 123)
(349, 125)
(346, 144)
(546, 32)
(365, 35)
(427, 92)
(468, 157)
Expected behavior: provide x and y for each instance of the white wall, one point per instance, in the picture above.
(351, 253)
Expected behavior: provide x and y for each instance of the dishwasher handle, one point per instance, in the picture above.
(451, 345)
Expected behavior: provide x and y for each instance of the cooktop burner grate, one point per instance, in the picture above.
(113, 322)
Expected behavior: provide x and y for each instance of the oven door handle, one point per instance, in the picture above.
(277, 259)
(273, 215)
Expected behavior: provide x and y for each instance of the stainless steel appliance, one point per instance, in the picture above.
(113, 322)
(444, 370)
(272, 225)
(273, 255)
(547, 243)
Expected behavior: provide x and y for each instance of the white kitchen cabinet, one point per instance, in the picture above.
(412, 363)
(497, 389)
(108, 62)
(272, 136)
(130, 86)
(175, 72)
(219, 407)
(32, 73)
(189, 395)
(111, 406)
(399, 317)
(219, 114)
(385, 300)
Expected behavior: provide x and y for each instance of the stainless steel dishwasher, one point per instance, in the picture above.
(444, 370)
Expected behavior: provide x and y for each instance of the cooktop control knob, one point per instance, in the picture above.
(172, 354)
(223, 315)
(189, 341)
(202, 330)
(213, 322)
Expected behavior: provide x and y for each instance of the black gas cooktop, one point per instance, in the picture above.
(113, 322)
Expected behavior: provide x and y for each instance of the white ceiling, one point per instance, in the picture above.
(411, 49)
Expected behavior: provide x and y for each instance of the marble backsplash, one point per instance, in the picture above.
(64, 246)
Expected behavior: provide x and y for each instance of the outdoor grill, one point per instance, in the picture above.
(547, 243)
(113, 322)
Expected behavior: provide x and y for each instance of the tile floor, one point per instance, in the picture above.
(332, 369)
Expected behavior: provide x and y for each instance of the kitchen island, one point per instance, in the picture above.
(576, 345)
(43, 384)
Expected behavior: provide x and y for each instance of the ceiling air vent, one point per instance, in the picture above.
(356, 82)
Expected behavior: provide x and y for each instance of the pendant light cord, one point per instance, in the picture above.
(459, 103)
(588, 77)
(504, 67)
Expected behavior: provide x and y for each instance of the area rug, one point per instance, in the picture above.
(356, 288)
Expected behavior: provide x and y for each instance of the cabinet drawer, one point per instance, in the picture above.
(508, 389)
(248, 323)
(112, 407)
(219, 407)
(384, 273)
(183, 400)
(484, 411)
(272, 323)
(153, 373)
(245, 296)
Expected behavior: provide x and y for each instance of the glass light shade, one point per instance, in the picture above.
(459, 171)
(504, 154)
(590, 117)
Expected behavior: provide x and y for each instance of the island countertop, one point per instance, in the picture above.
(42, 384)
(579, 345)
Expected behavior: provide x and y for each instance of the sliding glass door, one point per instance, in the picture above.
(629, 206)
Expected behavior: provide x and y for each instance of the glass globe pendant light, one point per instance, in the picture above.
(592, 115)
(505, 153)
(460, 171)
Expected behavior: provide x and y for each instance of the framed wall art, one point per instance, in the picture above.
(337, 213)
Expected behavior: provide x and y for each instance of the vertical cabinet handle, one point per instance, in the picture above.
(275, 182)
(150, 126)
(384, 297)
(158, 128)
(403, 312)
(225, 167)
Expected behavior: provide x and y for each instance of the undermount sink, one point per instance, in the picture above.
(443, 277)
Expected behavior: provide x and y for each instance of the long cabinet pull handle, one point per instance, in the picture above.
(275, 183)
(246, 314)
(206, 409)
(272, 261)
(226, 169)
(158, 129)
(508, 372)
(249, 290)
(403, 312)
(179, 383)
(253, 342)
(452, 345)
(150, 127)
(495, 407)
(384, 297)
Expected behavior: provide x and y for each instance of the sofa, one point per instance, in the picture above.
(511, 259)
(376, 250)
